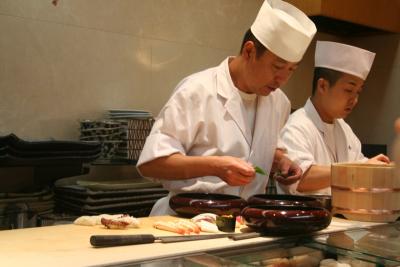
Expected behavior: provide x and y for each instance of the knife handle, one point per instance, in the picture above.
(120, 240)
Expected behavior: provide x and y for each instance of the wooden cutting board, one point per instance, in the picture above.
(68, 245)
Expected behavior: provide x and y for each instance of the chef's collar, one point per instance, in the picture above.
(314, 116)
(225, 89)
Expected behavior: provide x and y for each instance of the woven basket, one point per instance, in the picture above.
(138, 130)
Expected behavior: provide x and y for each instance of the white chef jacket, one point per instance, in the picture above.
(304, 136)
(205, 116)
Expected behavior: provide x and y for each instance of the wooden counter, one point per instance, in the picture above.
(68, 245)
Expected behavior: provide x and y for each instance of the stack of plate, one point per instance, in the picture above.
(118, 114)
(16, 151)
(132, 196)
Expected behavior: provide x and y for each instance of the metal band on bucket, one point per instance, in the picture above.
(365, 190)
(365, 211)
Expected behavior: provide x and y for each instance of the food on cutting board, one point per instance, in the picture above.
(116, 221)
(209, 220)
(122, 222)
(240, 222)
(208, 227)
(189, 226)
(209, 217)
(180, 227)
(206, 222)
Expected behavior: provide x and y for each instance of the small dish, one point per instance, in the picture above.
(285, 220)
(283, 200)
(226, 223)
(192, 204)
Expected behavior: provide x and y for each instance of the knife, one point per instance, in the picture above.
(123, 240)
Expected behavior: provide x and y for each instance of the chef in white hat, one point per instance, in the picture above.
(221, 122)
(316, 135)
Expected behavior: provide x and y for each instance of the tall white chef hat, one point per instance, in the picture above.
(283, 29)
(344, 58)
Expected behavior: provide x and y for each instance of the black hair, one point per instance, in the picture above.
(332, 76)
(249, 36)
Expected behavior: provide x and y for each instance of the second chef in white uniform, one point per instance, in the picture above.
(316, 135)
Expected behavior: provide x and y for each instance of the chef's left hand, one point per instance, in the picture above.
(379, 159)
(290, 171)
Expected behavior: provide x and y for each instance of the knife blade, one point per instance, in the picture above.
(123, 240)
(243, 236)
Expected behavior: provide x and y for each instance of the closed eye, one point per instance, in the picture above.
(278, 67)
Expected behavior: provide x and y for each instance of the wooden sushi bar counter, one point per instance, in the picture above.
(68, 245)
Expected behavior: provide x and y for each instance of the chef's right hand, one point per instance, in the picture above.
(234, 171)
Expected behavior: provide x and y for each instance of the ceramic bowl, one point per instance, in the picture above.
(283, 200)
(285, 220)
(192, 204)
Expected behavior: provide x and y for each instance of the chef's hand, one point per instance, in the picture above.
(379, 159)
(234, 171)
(290, 172)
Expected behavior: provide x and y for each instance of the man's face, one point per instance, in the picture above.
(266, 73)
(340, 99)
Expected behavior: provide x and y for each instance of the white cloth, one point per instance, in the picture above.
(304, 138)
(205, 116)
(344, 58)
(283, 29)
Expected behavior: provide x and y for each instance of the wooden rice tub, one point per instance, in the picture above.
(366, 192)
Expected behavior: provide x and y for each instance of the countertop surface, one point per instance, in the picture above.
(68, 245)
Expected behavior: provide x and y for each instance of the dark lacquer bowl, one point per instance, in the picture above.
(285, 220)
(324, 200)
(283, 200)
(192, 204)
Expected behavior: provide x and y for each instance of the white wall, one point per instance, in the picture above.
(60, 64)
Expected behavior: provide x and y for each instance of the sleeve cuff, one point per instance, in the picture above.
(159, 145)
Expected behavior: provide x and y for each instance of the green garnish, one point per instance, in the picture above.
(259, 170)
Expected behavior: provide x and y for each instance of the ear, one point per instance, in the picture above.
(322, 85)
(249, 50)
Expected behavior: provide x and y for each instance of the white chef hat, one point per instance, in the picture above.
(283, 29)
(344, 58)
